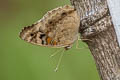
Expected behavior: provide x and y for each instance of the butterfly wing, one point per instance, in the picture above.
(58, 28)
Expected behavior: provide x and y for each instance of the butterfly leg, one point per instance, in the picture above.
(55, 53)
(82, 39)
(77, 44)
(59, 61)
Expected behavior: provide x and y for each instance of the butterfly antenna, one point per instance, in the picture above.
(59, 61)
(55, 52)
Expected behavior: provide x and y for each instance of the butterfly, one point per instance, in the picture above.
(58, 28)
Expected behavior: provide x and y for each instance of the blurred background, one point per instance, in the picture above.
(23, 61)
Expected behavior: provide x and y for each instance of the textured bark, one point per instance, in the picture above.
(104, 46)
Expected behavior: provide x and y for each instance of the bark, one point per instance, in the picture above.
(104, 45)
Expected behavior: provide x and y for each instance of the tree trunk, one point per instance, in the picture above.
(103, 45)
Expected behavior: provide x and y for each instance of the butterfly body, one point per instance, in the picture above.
(58, 28)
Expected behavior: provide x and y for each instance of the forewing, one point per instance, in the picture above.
(44, 31)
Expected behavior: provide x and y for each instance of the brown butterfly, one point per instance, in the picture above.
(58, 28)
